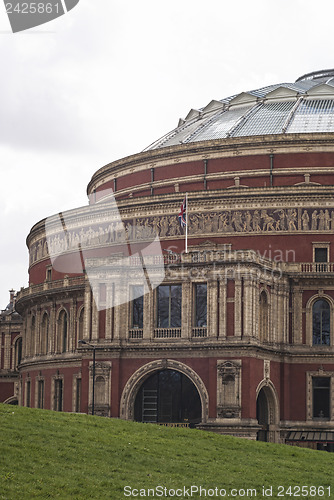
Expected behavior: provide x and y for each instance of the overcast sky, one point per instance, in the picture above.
(110, 77)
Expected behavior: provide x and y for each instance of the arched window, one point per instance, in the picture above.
(18, 352)
(45, 334)
(264, 313)
(62, 332)
(321, 322)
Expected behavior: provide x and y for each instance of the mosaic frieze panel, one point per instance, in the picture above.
(217, 222)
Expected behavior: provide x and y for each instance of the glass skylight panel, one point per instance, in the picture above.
(269, 119)
(313, 116)
(221, 125)
(183, 132)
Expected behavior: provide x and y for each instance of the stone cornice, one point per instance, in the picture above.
(236, 146)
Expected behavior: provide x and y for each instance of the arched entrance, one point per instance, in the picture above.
(168, 396)
(140, 376)
(11, 401)
(262, 415)
(267, 413)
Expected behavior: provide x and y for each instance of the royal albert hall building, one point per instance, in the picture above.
(234, 335)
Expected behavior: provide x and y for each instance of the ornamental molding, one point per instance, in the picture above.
(227, 147)
(220, 222)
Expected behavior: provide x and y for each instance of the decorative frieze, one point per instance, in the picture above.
(226, 222)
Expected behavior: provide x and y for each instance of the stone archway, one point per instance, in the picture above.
(267, 412)
(11, 401)
(138, 378)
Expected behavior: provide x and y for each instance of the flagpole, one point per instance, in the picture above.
(186, 222)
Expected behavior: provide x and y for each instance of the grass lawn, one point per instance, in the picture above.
(46, 454)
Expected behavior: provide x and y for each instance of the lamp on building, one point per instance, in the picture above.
(93, 347)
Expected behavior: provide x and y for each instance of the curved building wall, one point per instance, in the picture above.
(246, 314)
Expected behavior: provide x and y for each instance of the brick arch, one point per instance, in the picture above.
(138, 377)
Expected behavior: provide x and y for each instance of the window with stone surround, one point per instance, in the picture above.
(137, 306)
(321, 397)
(62, 327)
(200, 305)
(45, 333)
(169, 301)
(40, 393)
(264, 316)
(28, 393)
(58, 395)
(321, 322)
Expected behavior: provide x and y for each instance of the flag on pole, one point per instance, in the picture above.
(183, 213)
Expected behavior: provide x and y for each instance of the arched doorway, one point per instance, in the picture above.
(12, 401)
(267, 414)
(262, 415)
(168, 396)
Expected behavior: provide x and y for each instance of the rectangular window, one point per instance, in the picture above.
(78, 396)
(321, 397)
(58, 397)
(320, 254)
(40, 394)
(169, 306)
(28, 393)
(137, 306)
(200, 303)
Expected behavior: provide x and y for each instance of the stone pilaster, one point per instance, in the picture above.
(109, 311)
(286, 297)
(256, 311)
(87, 312)
(6, 361)
(248, 307)
(52, 341)
(212, 308)
(37, 343)
(222, 307)
(186, 311)
(297, 315)
(95, 313)
(72, 327)
(148, 318)
(237, 308)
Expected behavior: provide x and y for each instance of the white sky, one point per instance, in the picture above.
(110, 77)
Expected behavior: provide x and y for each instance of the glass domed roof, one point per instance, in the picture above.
(306, 106)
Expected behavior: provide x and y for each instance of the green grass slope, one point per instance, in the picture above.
(45, 454)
